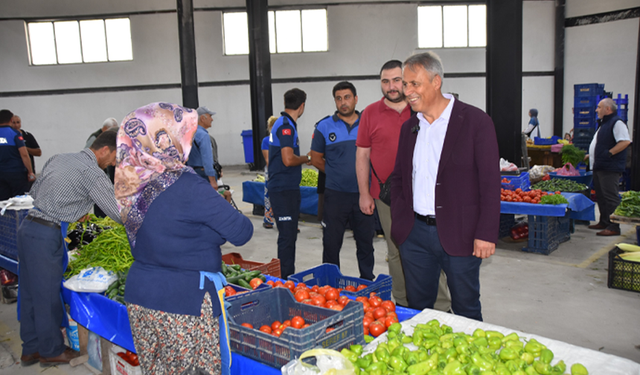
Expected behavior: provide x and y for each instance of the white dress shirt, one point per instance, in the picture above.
(620, 133)
(426, 158)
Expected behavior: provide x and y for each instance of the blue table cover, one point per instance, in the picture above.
(581, 208)
(253, 192)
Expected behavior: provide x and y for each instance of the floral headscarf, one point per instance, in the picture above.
(154, 142)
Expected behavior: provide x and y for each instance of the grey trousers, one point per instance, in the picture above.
(606, 185)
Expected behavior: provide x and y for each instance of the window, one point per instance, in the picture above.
(452, 26)
(289, 31)
(86, 41)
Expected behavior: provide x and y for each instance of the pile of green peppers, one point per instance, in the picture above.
(444, 352)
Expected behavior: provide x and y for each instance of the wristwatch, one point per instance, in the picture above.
(309, 157)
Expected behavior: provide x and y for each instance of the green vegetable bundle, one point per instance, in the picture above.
(309, 177)
(629, 205)
(553, 199)
(236, 275)
(560, 184)
(572, 154)
(444, 352)
(109, 250)
(116, 290)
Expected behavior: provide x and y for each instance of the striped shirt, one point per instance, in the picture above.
(68, 187)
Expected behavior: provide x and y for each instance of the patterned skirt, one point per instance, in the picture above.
(174, 343)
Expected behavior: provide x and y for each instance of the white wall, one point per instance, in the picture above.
(361, 38)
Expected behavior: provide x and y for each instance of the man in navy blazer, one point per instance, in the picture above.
(445, 191)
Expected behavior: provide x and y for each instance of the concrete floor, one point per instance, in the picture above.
(563, 296)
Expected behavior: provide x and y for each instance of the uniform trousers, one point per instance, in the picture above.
(286, 210)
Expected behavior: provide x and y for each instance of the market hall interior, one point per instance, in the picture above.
(562, 296)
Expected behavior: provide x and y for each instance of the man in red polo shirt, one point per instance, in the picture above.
(377, 145)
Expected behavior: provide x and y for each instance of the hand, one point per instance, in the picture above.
(31, 177)
(308, 158)
(367, 205)
(84, 218)
(483, 249)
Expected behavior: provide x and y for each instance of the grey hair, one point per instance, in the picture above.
(610, 104)
(109, 123)
(430, 61)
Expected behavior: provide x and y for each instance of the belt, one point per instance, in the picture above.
(197, 167)
(430, 219)
(44, 222)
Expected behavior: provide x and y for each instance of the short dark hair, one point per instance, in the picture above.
(391, 64)
(294, 98)
(344, 85)
(5, 116)
(106, 138)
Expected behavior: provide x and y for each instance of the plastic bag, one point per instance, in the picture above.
(328, 362)
(507, 166)
(91, 280)
(539, 171)
(568, 170)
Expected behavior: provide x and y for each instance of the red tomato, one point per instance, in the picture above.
(330, 303)
(266, 329)
(248, 325)
(379, 312)
(297, 322)
(392, 313)
(306, 325)
(287, 323)
(360, 287)
(343, 300)
(329, 330)
(318, 300)
(350, 288)
(366, 321)
(302, 285)
(290, 284)
(271, 283)
(389, 320)
(229, 291)
(301, 295)
(278, 284)
(369, 314)
(307, 301)
(331, 294)
(388, 305)
(315, 288)
(366, 330)
(255, 282)
(337, 307)
(377, 328)
(275, 325)
(375, 301)
(277, 332)
(362, 299)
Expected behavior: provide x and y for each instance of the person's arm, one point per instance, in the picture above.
(220, 216)
(363, 158)
(102, 193)
(317, 160)
(621, 135)
(619, 147)
(24, 155)
(203, 143)
(33, 148)
(265, 154)
(289, 159)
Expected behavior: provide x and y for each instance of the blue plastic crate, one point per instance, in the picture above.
(584, 102)
(507, 221)
(242, 291)
(584, 113)
(278, 304)
(520, 182)
(546, 141)
(546, 233)
(405, 313)
(584, 178)
(585, 123)
(584, 133)
(329, 274)
(9, 224)
(588, 89)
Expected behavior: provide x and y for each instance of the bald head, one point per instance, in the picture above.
(109, 123)
(606, 107)
(16, 122)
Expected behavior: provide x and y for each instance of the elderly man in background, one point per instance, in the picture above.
(445, 191)
(33, 148)
(65, 191)
(15, 167)
(607, 158)
(201, 156)
(106, 125)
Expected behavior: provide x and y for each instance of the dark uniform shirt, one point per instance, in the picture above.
(30, 142)
(10, 143)
(337, 141)
(283, 134)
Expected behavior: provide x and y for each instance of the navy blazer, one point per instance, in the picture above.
(467, 197)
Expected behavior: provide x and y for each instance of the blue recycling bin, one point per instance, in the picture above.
(247, 141)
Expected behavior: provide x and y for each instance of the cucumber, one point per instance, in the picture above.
(112, 294)
(261, 277)
(121, 290)
(119, 299)
(236, 267)
(113, 286)
(234, 279)
(244, 284)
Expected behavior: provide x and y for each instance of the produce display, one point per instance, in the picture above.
(309, 177)
(535, 196)
(629, 205)
(116, 290)
(560, 184)
(103, 244)
(630, 253)
(129, 357)
(444, 352)
(572, 154)
(246, 279)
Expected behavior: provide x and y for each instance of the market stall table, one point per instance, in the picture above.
(253, 192)
(542, 155)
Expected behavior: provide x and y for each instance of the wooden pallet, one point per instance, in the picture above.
(625, 220)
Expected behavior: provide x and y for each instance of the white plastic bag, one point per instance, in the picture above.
(507, 166)
(539, 171)
(328, 362)
(91, 280)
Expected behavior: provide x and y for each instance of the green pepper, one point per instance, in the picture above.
(392, 344)
(422, 355)
(518, 372)
(546, 356)
(446, 337)
(368, 338)
(511, 365)
(378, 366)
(579, 369)
(459, 341)
(507, 354)
(472, 369)
(515, 345)
(399, 351)
(382, 354)
(495, 343)
(397, 363)
(421, 368)
(364, 362)
(481, 342)
(533, 347)
(351, 356)
(411, 358)
(395, 327)
(406, 339)
(481, 362)
(433, 323)
(463, 349)
(446, 329)
(463, 358)
(511, 337)
(479, 333)
(542, 368)
(447, 344)
(559, 368)
(450, 355)
(491, 334)
(529, 370)
(454, 368)
(356, 349)
(430, 343)
(502, 371)
(417, 338)
(527, 358)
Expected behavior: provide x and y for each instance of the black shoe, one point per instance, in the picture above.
(30, 359)
(267, 225)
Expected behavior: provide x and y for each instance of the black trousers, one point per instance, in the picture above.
(606, 186)
(286, 210)
(340, 208)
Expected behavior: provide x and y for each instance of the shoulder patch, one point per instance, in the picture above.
(286, 131)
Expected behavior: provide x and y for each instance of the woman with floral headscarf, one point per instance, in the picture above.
(176, 223)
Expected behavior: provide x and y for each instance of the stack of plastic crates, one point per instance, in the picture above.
(622, 104)
(586, 97)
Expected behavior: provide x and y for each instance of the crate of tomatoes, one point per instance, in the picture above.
(273, 328)
(329, 274)
(123, 362)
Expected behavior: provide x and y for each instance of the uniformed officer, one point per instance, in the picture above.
(333, 151)
(15, 167)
